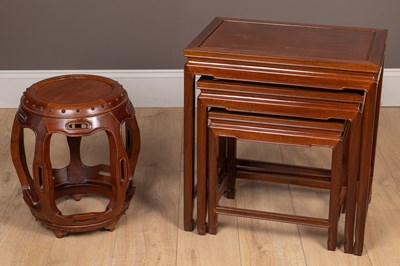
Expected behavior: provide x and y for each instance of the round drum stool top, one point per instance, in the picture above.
(73, 96)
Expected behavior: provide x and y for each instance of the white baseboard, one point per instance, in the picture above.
(147, 88)
(391, 87)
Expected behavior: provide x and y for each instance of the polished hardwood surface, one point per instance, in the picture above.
(330, 47)
(282, 101)
(76, 106)
(267, 129)
(152, 230)
(362, 70)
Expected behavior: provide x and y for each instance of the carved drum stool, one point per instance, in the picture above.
(76, 106)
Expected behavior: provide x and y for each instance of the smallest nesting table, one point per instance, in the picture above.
(76, 106)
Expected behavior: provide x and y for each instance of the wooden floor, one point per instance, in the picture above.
(151, 232)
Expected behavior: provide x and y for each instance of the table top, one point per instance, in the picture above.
(301, 45)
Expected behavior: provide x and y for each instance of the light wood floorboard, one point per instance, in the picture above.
(382, 240)
(314, 203)
(218, 249)
(261, 242)
(151, 232)
(8, 181)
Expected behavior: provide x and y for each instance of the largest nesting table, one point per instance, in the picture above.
(314, 56)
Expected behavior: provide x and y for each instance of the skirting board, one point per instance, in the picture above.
(147, 88)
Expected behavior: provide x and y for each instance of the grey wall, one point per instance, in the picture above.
(151, 34)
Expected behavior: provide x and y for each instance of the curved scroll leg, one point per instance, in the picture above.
(19, 160)
(132, 142)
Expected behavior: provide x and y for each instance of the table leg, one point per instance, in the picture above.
(376, 124)
(188, 149)
(365, 168)
(201, 167)
(352, 175)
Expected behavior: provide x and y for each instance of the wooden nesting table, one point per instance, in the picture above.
(312, 56)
